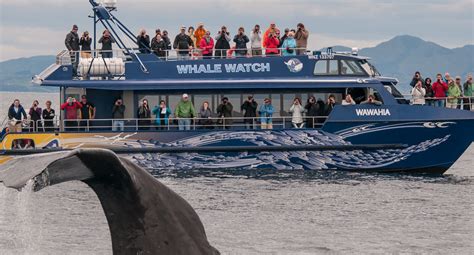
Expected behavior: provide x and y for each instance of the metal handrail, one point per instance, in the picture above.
(461, 100)
(134, 124)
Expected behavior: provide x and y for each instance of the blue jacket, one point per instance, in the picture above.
(266, 113)
(289, 43)
(157, 112)
(16, 115)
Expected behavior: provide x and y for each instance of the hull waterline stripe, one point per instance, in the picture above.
(223, 149)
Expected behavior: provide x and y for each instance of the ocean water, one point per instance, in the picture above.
(267, 213)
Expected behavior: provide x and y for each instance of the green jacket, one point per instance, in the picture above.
(185, 110)
(453, 91)
(468, 89)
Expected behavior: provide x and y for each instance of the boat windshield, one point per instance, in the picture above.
(369, 68)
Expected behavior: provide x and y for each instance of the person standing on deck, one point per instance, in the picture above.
(48, 117)
(184, 112)
(107, 41)
(118, 114)
(301, 37)
(143, 41)
(250, 108)
(454, 92)
(312, 111)
(199, 34)
(418, 94)
(439, 89)
(283, 38)
(183, 44)
(205, 115)
(87, 112)
(256, 41)
(144, 116)
(222, 43)
(429, 92)
(271, 44)
(297, 111)
(158, 46)
(85, 43)
(71, 106)
(207, 45)
(193, 38)
(35, 116)
(167, 40)
(162, 113)
(289, 45)
(16, 116)
(417, 77)
(241, 41)
(224, 111)
(72, 45)
(468, 92)
(266, 112)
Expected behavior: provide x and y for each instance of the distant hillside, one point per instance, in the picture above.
(399, 57)
(16, 74)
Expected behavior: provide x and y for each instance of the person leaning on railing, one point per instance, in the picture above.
(289, 45)
(143, 42)
(16, 116)
(207, 45)
(429, 92)
(468, 93)
(297, 111)
(183, 44)
(158, 46)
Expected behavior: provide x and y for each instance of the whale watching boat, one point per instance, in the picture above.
(387, 136)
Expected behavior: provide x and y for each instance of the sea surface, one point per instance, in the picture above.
(265, 213)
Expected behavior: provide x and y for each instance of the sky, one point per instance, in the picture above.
(38, 27)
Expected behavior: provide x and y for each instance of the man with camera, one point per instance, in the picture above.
(224, 110)
(72, 45)
(250, 108)
(183, 44)
(416, 78)
(118, 112)
(222, 43)
(71, 107)
(301, 37)
(241, 41)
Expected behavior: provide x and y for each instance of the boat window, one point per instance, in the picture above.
(369, 68)
(326, 67)
(235, 100)
(23, 144)
(287, 103)
(276, 102)
(198, 100)
(321, 67)
(350, 67)
(358, 94)
(173, 101)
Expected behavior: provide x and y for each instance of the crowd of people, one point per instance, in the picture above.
(445, 91)
(79, 115)
(191, 42)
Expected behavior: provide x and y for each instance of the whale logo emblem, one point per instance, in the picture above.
(294, 65)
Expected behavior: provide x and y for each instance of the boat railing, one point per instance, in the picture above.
(462, 102)
(134, 124)
(66, 57)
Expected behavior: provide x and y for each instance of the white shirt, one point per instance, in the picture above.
(418, 96)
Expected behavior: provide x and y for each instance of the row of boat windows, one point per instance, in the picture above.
(281, 102)
(340, 67)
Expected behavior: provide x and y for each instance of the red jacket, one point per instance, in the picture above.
(71, 110)
(440, 89)
(271, 45)
(206, 47)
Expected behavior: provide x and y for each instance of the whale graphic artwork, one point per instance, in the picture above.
(144, 216)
